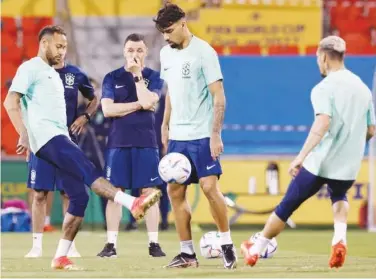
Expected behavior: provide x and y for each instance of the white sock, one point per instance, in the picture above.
(124, 199)
(259, 246)
(73, 246)
(225, 238)
(339, 233)
(112, 237)
(37, 240)
(63, 248)
(47, 220)
(153, 237)
(187, 247)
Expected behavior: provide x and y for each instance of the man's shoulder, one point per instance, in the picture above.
(116, 73)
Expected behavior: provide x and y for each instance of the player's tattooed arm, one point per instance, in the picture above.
(13, 107)
(216, 144)
(216, 89)
(319, 128)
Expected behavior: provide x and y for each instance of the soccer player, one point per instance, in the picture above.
(43, 176)
(194, 113)
(36, 106)
(132, 152)
(332, 153)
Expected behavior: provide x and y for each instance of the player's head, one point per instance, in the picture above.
(53, 44)
(135, 47)
(330, 53)
(171, 22)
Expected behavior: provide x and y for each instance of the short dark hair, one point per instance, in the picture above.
(134, 37)
(50, 30)
(333, 54)
(168, 15)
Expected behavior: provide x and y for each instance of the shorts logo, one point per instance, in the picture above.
(108, 173)
(33, 176)
(69, 80)
(186, 70)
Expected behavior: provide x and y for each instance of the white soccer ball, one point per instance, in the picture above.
(210, 245)
(269, 250)
(174, 168)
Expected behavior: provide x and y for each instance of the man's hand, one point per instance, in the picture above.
(23, 144)
(295, 166)
(146, 104)
(134, 66)
(78, 125)
(216, 145)
(164, 139)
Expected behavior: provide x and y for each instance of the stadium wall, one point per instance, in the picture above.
(268, 100)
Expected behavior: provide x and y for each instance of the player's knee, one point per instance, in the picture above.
(40, 197)
(209, 187)
(78, 204)
(176, 192)
(287, 207)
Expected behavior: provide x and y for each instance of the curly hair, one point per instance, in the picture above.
(168, 15)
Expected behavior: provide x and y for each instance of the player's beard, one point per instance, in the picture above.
(52, 60)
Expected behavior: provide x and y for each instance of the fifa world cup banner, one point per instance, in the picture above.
(253, 188)
(259, 26)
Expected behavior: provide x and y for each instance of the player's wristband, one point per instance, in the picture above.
(87, 116)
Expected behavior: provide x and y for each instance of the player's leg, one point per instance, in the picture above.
(164, 207)
(118, 172)
(337, 190)
(208, 171)
(145, 177)
(182, 212)
(64, 181)
(132, 224)
(47, 220)
(63, 153)
(301, 188)
(41, 181)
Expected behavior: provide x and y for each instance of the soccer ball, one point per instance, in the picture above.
(174, 168)
(269, 250)
(210, 245)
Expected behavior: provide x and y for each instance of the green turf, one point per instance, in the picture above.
(299, 254)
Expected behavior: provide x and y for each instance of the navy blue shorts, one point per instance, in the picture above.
(133, 167)
(44, 176)
(68, 158)
(304, 186)
(198, 153)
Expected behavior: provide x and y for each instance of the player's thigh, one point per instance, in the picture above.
(42, 174)
(118, 168)
(176, 192)
(208, 169)
(145, 163)
(338, 189)
(183, 148)
(68, 157)
(68, 184)
(301, 188)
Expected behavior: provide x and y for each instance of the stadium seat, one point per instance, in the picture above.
(357, 44)
(356, 26)
(311, 50)
(30, 46)
(219, 49)
(245, 50)
(9, 136)
(32, 25)
(10, 52)
(8, 25)
(8, 70)
(283, 50)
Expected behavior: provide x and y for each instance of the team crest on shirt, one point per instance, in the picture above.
(186, 70)
(33, 176)
(146, 82)
(69, 80)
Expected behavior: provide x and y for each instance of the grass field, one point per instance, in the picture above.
(300, 254)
